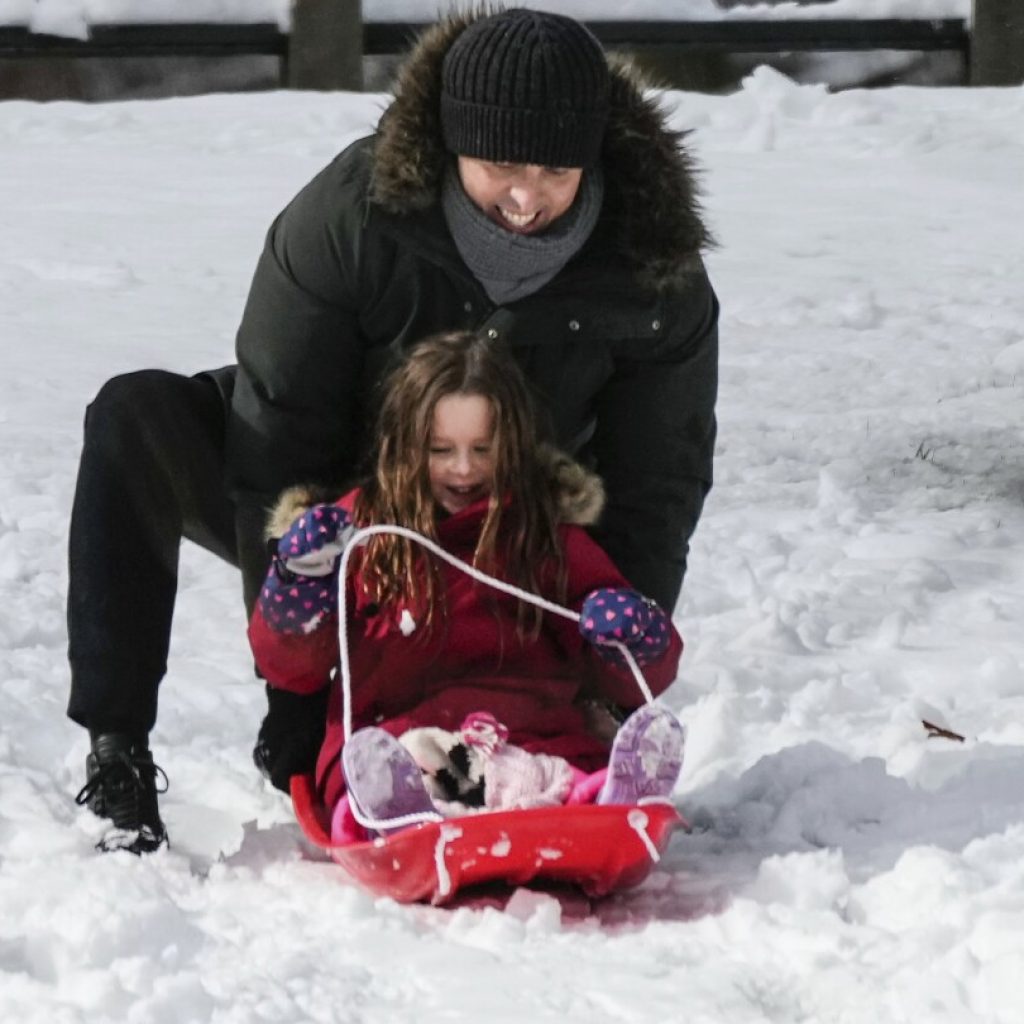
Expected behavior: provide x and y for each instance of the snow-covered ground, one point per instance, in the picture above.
(859, 568)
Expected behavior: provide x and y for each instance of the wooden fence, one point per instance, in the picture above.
(328, 40)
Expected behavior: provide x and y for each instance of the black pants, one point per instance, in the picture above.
(151, 473)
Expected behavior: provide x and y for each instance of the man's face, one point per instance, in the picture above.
(523, 198)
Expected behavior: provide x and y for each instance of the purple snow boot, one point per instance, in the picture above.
(646, 757)
(384, 782)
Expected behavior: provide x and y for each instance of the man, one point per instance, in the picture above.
(517, 185)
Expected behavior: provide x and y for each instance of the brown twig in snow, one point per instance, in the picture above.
(937, 730)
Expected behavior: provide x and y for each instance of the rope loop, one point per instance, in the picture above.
(360, 537)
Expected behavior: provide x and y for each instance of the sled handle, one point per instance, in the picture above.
(360, 537)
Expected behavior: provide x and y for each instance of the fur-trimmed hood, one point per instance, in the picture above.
(579, 494)
(650, 193)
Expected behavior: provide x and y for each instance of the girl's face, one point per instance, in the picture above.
(522, 198)
(461, 463)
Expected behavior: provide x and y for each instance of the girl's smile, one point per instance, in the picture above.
(461, 463)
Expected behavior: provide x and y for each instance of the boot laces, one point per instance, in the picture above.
(124, 788)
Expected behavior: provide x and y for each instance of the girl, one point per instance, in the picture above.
(488, 695)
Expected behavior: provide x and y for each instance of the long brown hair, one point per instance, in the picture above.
(519, 532)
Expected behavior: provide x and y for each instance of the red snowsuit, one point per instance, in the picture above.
(471, 659)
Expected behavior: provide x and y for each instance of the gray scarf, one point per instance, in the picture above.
(511, 266)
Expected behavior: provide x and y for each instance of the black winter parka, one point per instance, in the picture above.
(621, 345)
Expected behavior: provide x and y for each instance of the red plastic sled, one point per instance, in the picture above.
(600, 849)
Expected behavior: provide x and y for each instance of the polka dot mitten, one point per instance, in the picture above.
(620, 614)
(301, 588)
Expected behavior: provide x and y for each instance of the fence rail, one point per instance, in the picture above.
(735, 36)
(772, 36)
(310, 56)
(150, 40)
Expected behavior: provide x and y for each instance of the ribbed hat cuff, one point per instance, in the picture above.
(509, 135)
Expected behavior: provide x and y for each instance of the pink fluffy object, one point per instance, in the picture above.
(513, 778)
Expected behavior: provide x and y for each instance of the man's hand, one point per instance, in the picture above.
(291, 735)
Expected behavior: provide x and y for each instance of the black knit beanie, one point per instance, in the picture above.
(525, 87)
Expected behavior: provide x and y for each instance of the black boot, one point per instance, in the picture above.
(122, 785)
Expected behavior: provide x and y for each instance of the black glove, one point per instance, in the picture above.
(291, 735)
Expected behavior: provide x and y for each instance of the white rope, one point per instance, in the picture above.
(359, 538)
(638, 822)
(377, 825)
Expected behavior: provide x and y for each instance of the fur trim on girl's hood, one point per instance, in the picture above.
(579, 494)
(650, 195)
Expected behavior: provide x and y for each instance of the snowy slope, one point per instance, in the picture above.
(860, 566)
